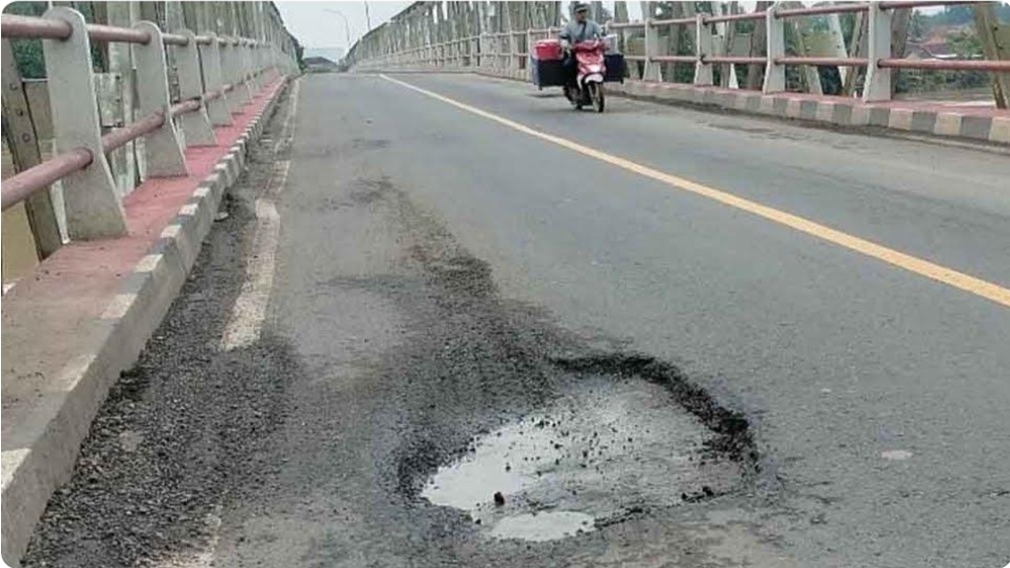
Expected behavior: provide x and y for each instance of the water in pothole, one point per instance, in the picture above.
(605, 448)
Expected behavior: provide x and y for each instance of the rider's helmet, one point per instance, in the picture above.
(580, 7)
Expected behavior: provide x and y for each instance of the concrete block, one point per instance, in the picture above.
(947, 124)
(743, 101)
(1000, 130)
(900, 119)
(825, 111)
(879, 116)
(976, 127)
(726, 99)
(842, 114)
(923, 121)
(780, 105)
(860, 116)
(808, 109)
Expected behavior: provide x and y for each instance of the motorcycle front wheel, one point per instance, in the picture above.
(573, 97)
(596, 96)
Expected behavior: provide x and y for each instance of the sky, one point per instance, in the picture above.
(316, 25)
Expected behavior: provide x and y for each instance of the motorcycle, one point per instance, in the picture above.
(590, 74)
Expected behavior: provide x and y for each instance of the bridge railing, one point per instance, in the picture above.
(496, 50)
(216, 77)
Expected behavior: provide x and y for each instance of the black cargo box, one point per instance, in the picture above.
(547, 73)
(615, 67)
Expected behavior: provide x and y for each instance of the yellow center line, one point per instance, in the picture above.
(949, 276)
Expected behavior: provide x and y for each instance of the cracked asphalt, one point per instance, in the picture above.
(461, 310)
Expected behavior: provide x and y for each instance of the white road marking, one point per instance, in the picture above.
(249, 312)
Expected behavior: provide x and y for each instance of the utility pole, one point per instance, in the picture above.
(368, 18)
(347, 27)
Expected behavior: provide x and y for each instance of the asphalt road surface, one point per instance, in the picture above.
(659, 334)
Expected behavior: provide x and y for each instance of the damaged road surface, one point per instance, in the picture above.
(449, 354)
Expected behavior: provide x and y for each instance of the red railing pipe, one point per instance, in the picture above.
(823, 61)
(119, 137)
(191, 105)
(674, 22)
(20, 186)
(818, 10)
(17, 27)
(175, 39)
(620, 25)
(921, 4)
(99, 32)
(741, 60)
(948, 65)
(733, 17)
(675, 59)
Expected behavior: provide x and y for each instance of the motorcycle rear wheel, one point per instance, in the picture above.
(596, 96)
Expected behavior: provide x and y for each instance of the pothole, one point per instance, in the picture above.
(607, 447)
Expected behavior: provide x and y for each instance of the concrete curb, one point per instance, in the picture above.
(30, 476)
(834, 111)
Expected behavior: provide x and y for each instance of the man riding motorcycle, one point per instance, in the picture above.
(577, 30)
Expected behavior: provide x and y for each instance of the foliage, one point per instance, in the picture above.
(28, 52)
(964, 15)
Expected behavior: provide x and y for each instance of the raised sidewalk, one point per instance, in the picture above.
(84, 316)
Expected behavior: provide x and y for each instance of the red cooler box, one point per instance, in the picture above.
(546, 63)
(547, 50)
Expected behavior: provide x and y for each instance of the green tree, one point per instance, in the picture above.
(28, 52)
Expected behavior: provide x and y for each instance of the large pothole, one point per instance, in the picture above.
(612, 444)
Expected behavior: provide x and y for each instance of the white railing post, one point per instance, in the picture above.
(210, 57)
(162, 148)
(652, 70)
(513, 48)
(775, 75)
(245, 49)
(703, 75)
(195, 125)
(234, 70)
(529, 54)
(878, 80)
(92, 204)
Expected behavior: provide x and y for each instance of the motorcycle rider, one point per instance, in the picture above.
(580, 29)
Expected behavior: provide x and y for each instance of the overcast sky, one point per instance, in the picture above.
(316, 25)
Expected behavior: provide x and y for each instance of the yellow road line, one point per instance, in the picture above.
(949, 276)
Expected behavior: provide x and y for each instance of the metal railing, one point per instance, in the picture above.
(217, 76)
(489, 49)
